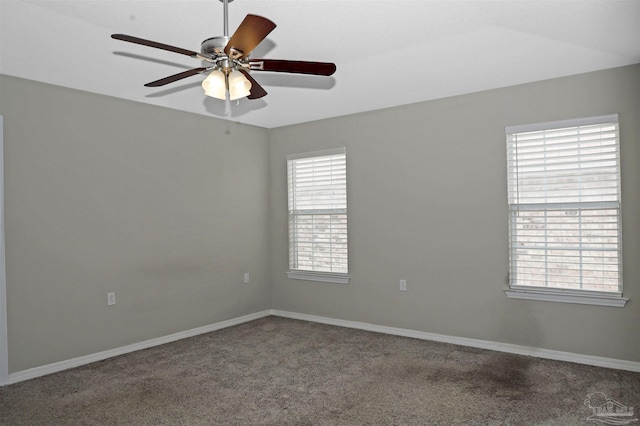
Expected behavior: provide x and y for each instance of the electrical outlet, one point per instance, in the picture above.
(247, 278)
(111, 298)
(403, 285)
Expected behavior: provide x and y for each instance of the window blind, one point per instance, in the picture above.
(318, 212)
(564, 202)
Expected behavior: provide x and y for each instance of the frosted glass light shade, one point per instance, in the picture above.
(215, 85)
(239, 86)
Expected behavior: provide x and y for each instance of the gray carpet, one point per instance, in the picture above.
(277, 371)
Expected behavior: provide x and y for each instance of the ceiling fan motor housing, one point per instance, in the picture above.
(214, 45)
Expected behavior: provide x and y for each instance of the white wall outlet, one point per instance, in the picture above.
(247, 278)
(111, 298)
(403, 285)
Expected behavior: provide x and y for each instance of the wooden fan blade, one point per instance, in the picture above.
(155, 44)
(249, 34)
(176, 77)
(297, 67)
(257, 91)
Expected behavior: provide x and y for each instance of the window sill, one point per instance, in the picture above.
(327, 277)
(586, 298)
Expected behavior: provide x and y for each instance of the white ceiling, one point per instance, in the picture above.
(387, 53)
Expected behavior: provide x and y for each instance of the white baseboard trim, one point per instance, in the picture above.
(597, 361)
(32, 373)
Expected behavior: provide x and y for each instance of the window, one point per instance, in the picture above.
(317, 184)
(564, 211)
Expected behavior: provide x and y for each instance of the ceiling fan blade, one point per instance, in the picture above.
(249, 34)
(137, 40)
(257, 91)
(177, 77)
(297, 67)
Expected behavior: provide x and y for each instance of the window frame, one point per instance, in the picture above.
(555, 294)
(305, 274)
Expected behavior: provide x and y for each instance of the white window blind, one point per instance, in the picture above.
(317, 186)
(564, 203)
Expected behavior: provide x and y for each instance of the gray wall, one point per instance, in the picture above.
(427, 194)
(167, 209)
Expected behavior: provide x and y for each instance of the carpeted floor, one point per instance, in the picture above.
(277, 371)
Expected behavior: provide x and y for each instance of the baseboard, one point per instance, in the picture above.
(32, 373)
(597, 361)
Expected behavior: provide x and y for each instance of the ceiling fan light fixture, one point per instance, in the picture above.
(239, 85)
(215, 85)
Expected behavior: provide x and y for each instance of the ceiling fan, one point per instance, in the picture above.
(228, 62)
